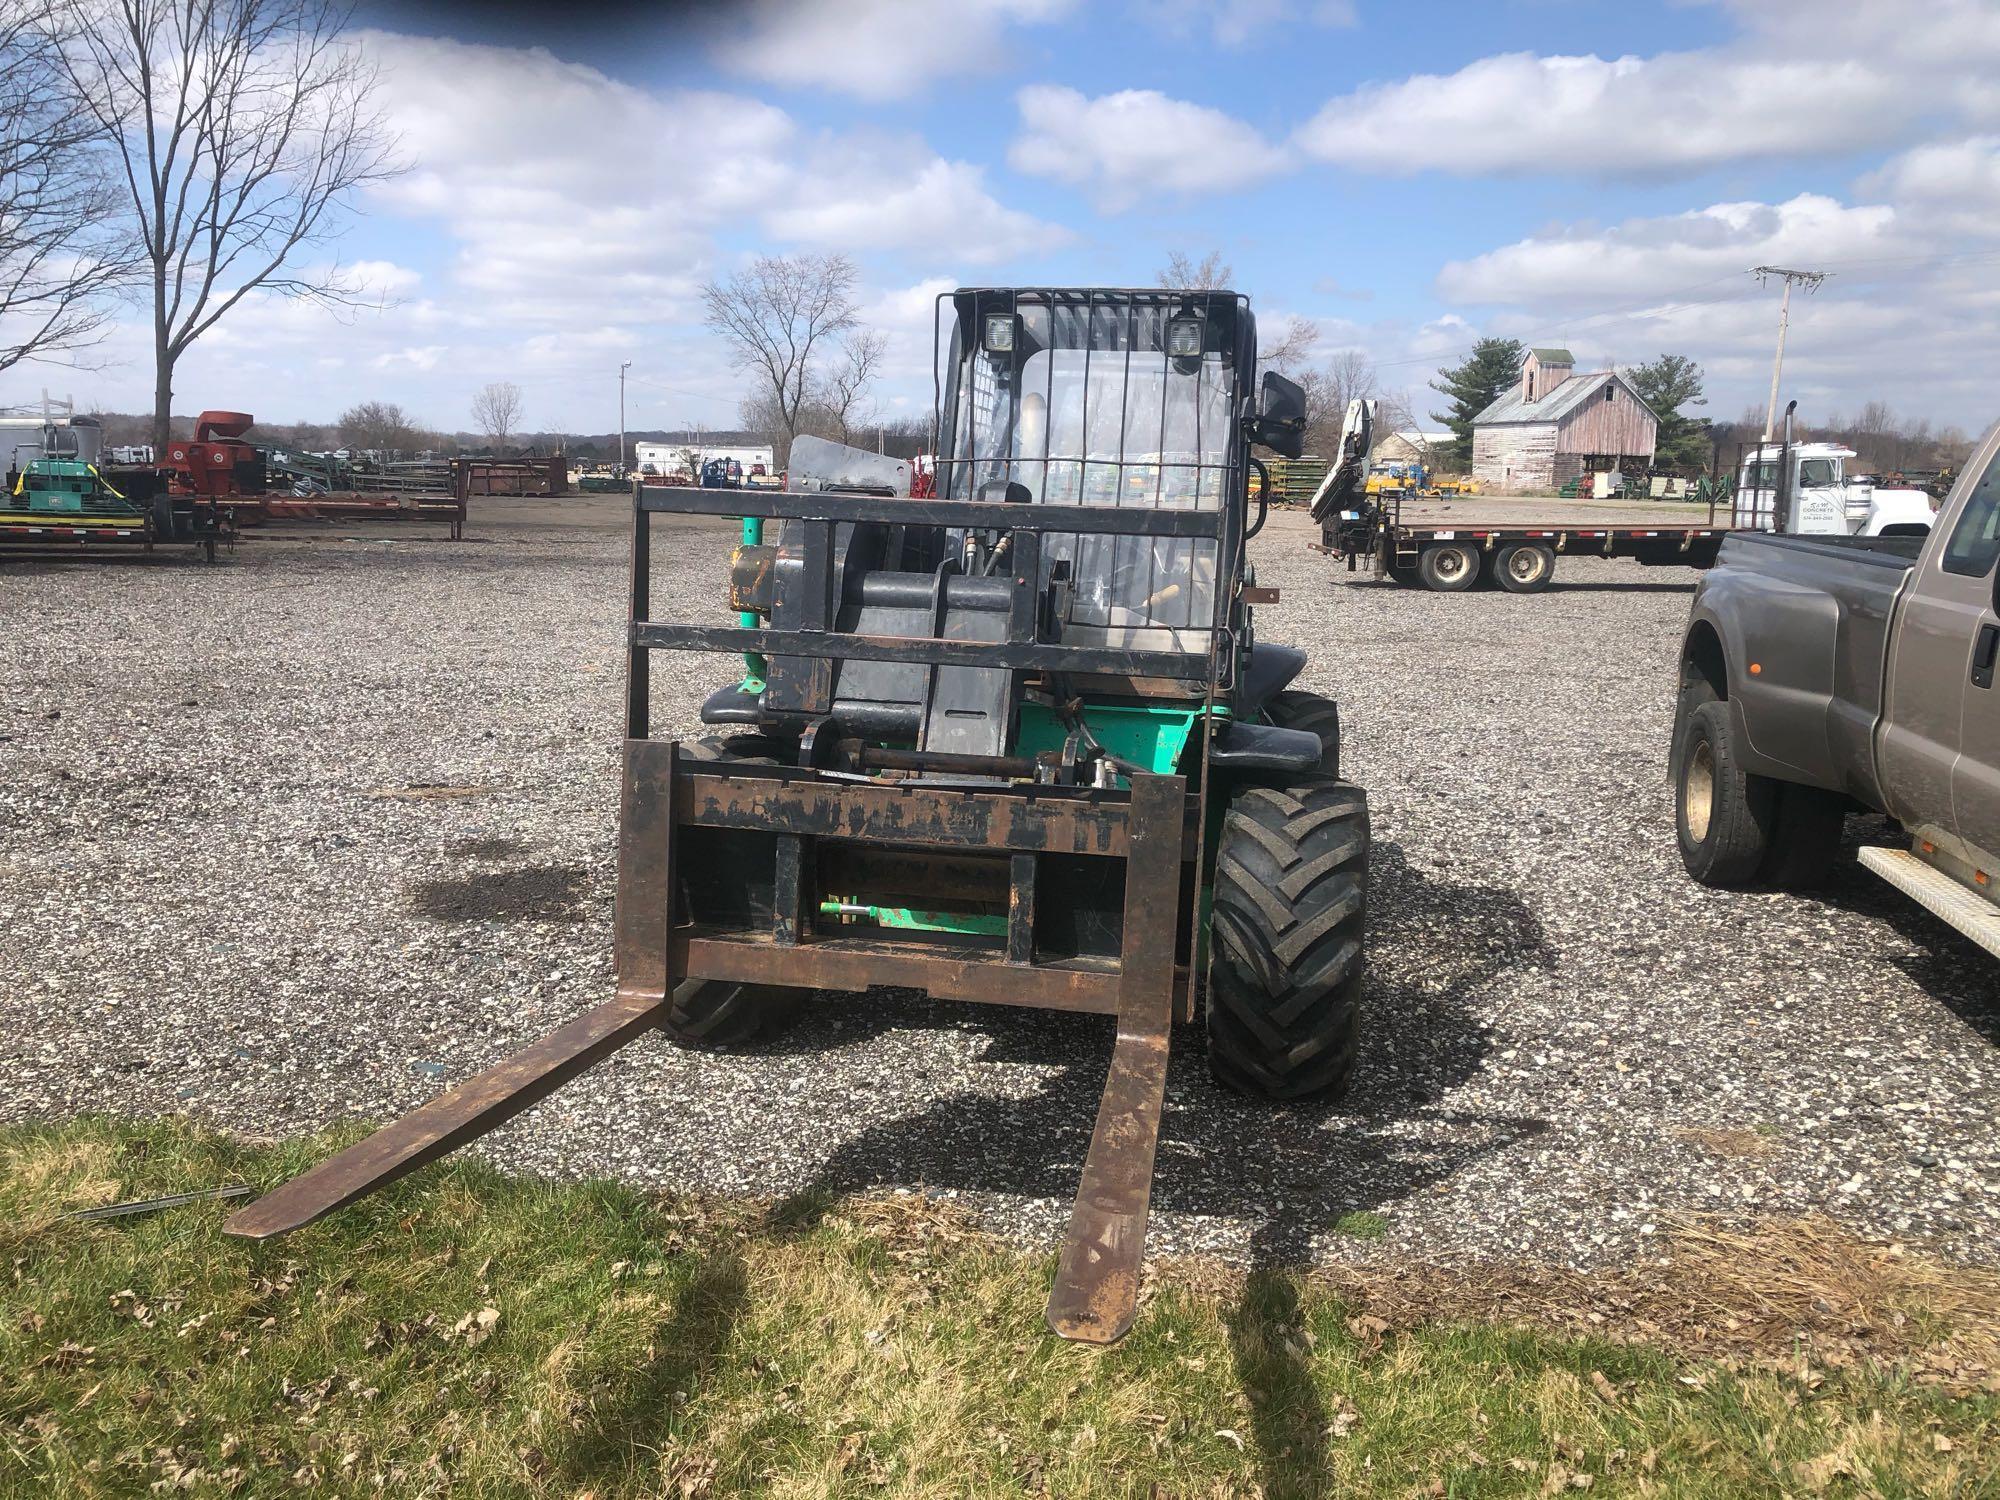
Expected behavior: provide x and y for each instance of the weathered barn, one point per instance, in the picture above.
(1413, 445)
(1555, 424)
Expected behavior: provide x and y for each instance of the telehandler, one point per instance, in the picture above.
(1016, 742)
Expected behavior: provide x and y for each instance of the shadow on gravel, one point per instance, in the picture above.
(1557, 586)
(544, 893)
(486, 848)
(1947, 966)
(1292, 1172)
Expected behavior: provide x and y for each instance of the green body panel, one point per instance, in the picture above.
(66, 487)
(1151, 735)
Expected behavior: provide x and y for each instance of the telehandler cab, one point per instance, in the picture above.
(1016, 743)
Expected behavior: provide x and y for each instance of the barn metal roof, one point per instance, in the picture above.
(1554, 356)
(1559, 403)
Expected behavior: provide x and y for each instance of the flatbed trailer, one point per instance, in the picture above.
(41, 534)
(448, 511)
(1449, 556)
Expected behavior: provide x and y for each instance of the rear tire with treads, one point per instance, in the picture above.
(712, 1015)
(1285, 957)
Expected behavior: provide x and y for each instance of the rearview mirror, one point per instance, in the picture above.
(1281, 416)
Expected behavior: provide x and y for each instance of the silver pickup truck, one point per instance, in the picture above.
(1827, 675)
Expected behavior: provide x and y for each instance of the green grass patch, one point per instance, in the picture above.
(1360, 1224)
(468, 1334)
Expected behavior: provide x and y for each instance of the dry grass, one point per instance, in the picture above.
(464, 1334)
(1739, 1142)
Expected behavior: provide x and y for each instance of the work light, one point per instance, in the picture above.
(1184, 337)
(999, 337)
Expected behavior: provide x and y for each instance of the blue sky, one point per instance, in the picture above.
(1407, 176)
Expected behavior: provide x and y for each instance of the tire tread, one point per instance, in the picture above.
(1285, 964)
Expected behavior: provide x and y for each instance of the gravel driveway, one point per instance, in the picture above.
(219, 895)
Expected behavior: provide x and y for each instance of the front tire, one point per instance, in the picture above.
(1723, 815)
(1285, 955)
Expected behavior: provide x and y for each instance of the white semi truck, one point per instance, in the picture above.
(1823, 498)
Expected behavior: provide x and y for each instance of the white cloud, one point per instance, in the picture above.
(1137, 144)
(566, 189)
(1953, 185)
(381, 278)
(873, 49)
(564, 221)
(1676, 253)
(1804, 79)
(888, 194)
(425, 357)
(1244, 23)
(1629, 115)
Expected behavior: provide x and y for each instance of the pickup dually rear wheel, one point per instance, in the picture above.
(1723, 814)
(1449, 567)
(1285, 961)
(711, 1015)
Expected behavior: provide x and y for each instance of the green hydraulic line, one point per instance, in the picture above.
(755, 665)
(917, 920)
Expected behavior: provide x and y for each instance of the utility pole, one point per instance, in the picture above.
(621, 414)
(1810, 280)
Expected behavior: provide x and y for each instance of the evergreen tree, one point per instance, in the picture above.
(1494, 365)
(1666, 385)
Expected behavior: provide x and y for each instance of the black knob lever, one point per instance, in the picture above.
(1984, 650)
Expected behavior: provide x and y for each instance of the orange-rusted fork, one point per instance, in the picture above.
(1096, 1291)
(645, 879)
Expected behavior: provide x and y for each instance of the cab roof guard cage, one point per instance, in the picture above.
(819, 514)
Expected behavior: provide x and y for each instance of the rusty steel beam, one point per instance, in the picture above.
(643, 912)
(450, 1120)
(1045, 822)
(1096, 1290)
(981, 976)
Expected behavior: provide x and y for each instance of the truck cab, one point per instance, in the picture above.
(1807, 489)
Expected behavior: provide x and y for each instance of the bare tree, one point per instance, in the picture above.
(1348, 376)
(1290, 349)
(58, 255)
(778, 317)
(242, 128)
(379, 426)
(845, 388)
(497, 408)
(1210, 273)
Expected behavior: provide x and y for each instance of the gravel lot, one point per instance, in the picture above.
(207, 905)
